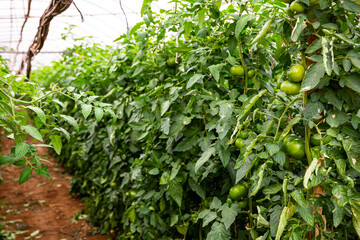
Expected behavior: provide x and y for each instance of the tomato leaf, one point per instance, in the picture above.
(241, 23)
(71, 121)
(299, 198)
(218, 232)
(21, 149)
(194, 79)
(40, 113)
(176, 191)
(313, 76)
(228, 214)
(57, 143)
(299, 27)
(215, 71)
(25, 174)
(204, 158)
(352, 81)
(32, 131)
(306, 213)
(338, 215)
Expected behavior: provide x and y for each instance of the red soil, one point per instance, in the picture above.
(38, 205)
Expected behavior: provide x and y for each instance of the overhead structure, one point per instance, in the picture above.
(103, 23)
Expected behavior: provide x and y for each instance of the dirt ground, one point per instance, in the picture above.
(38, 209)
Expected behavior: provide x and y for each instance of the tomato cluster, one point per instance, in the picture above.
(295, 74)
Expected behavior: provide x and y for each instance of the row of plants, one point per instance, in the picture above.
(24, 120)
(235, 121)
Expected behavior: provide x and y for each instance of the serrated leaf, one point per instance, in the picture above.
(215, 203)
(346, 64)
(299, 198)
(313, 76)
(218, 232)
(211, 216)
(354, 58)
(25, 174)
(165, 125)
(241, 172)
(299, 27)
(315, 45)
(228, 215)
(340, 194)
(280, 158)
(164, 107)
(21, 149)
(215, 71)
(196, 188)
(272, 148)
(331, 96)
(241, 23)
(313, 109)
(272, 189)
(352, 81)
(274, 219)
(194, 79)
(260, 176)
(176, 191)
(267, 126)
(336, 118)
(99, 113)
(289, 126)
(338, 215)
(71, 121)
(204, 158)
(186, 144)
(39, 112)
(57, 143)
(86, 109)
(352, 5)
(32, 131)
(306, 213)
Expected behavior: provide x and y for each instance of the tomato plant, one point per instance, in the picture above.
(174, 135)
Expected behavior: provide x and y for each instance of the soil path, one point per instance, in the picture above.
(37, 209)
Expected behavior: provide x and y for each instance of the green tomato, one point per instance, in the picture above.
(290, 88)
(296, 73)
(243, 135)
(237, 71)
(132, 193)
(238, 143)
(242, 204)
(296, 148)
(237, 192)
(297, 7)
(171, 62)
(251, 73)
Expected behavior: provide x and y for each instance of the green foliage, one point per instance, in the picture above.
(168, 143)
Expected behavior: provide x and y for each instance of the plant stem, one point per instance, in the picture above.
(282, 115)
(244, 66)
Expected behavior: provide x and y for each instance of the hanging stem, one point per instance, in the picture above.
(244, 66)
(307, 129)
(283, 114)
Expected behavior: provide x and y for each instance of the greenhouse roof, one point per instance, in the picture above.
(103, 20)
